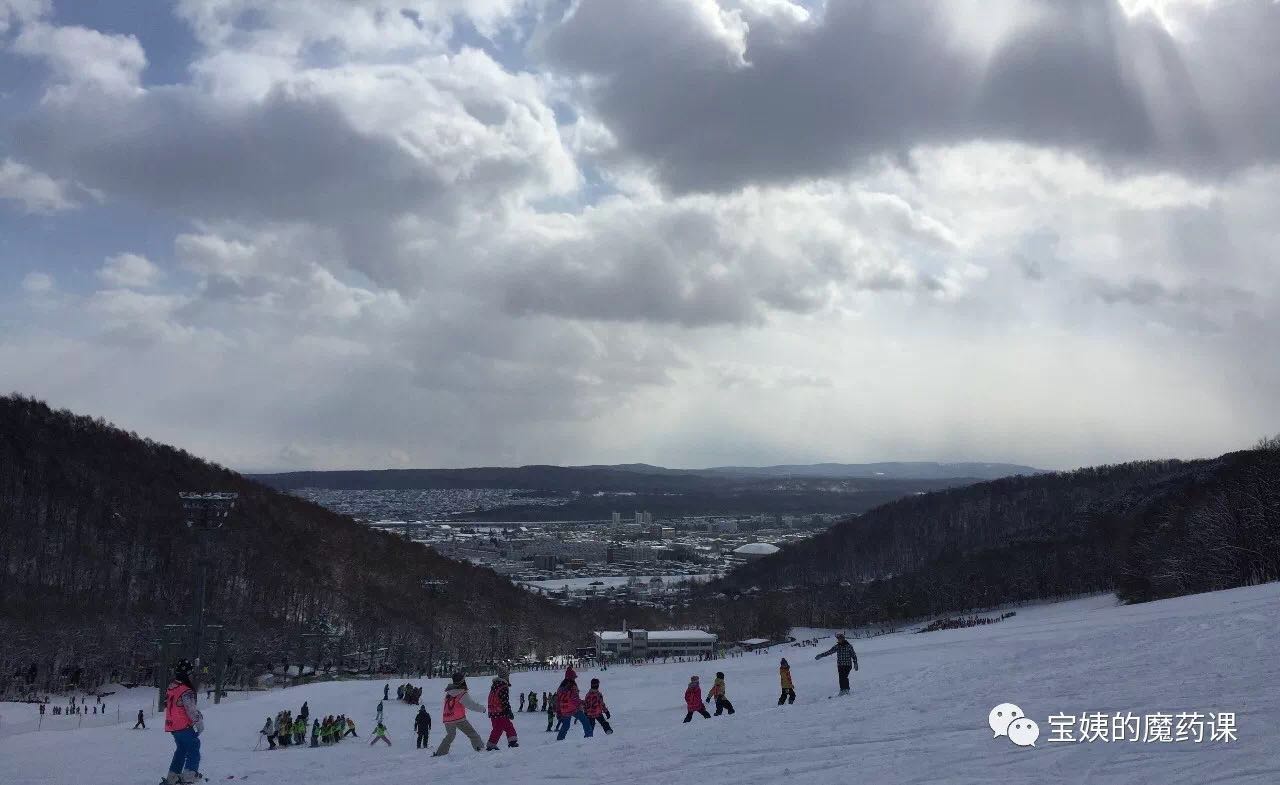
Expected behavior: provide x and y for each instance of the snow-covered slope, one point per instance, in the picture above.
(918, 713)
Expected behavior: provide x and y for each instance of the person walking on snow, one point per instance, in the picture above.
(379, 717)
(351, 729)
(550, 710)
(183, 720)
(141, 723)
(386, 693)
(500, 716)
(533, 702)
(454, 716)
(594, 707)
(846, 658)
(788, 688)
(379, 734)
(422, 725)
(315, 733)
(569, 707)
(521, 703)
(721, 697)
(693, 700)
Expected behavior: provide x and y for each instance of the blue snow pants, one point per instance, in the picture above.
(567, 722)
(187, 755)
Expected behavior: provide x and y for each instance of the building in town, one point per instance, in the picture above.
(643, 644)
(755, 550)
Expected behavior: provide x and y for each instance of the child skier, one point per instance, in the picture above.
(721, 697)
(269, 730)
(422, 724)
(183, 720)
(533, 702)
(550, 710)
(569, 707)
(379, 734)
(315, 733)
(299, 731)
(594, 707)
(454, 716)
(693, 700)
(788, 688)
(500, 716)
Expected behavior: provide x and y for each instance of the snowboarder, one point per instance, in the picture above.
(379, 734)
(721, 697)
(183, 720)
(422, 725)
(846, 658)
(141, 723)
(594, 707)
(788, 688)
(569, 707)
(500, 715)
(454, 716)
(693, 700)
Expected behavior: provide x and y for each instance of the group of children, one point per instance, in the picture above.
(286, 731)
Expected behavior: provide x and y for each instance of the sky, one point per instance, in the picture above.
(293, 234)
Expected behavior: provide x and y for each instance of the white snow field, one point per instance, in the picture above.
(918, 713)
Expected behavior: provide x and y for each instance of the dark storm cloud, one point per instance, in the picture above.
(870, 78)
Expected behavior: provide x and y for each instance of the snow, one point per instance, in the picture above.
(756, 549)
(576, 584)
(918, 713)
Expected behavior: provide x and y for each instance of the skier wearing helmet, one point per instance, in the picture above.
(184, 722)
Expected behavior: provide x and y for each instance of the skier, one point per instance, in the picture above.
(788, 688)
(141, 723)
(454, 716)
(379, 718)
(846, 658)
(304, 713)
(500, 715)
(422, 724)
(299, 731)
(521, 702)
(569, 707)
(379, 734)
(351, 728)
(594, 707)
(315, 733)
(550, 711)
(533, 702)
(386, 691)
(183, 720)
(693, 700)
(721, 697)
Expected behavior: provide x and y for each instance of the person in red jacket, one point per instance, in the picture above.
(454, 716)
(569, 707)
(693, 700)
(183, 720)
(594, 707)
(500, 715)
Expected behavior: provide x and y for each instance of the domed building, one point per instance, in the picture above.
(755, 550)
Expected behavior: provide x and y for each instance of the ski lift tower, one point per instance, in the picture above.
(205, 513)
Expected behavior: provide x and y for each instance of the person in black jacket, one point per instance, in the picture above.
(846, 658)
(422, 724)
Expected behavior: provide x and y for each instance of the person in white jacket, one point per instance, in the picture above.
(454, 716)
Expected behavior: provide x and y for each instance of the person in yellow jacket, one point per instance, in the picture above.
(721, 697)
(788, 688)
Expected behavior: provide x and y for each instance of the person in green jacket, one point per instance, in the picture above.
(299, 731)
(379, 733)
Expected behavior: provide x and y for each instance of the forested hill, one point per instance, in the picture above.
(94, 556)
(1147, 530)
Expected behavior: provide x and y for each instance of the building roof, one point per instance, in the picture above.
(697, 636)
(756, 549)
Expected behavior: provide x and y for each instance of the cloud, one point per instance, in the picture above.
(37, 283)
(722, 102)
(129, 270)
(81, 58)
(35, 192)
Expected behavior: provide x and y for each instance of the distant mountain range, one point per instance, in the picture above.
(631, 476)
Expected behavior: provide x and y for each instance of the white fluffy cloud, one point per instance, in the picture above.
(682, 231)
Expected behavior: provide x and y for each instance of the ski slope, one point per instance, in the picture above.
(919, 713)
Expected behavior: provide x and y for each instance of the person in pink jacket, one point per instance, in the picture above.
(693, 700)
(569, 707)
(500, 715)
(454, 716)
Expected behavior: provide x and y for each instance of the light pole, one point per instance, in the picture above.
(205, 513)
